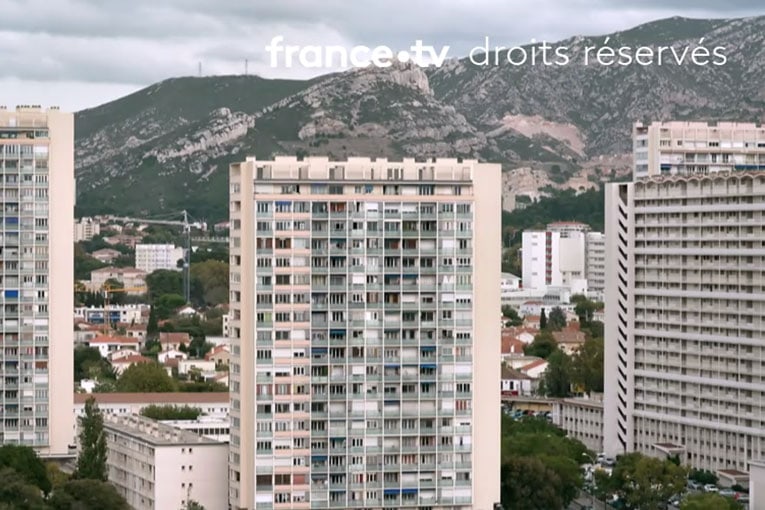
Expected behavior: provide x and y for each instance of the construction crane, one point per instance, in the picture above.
(187, 250)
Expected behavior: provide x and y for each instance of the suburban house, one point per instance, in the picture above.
(105, 255)
(515, 382)
(220, 355)
(173, 340)
(109, 344)
(122, 364)
(570, 338)
(169, 354)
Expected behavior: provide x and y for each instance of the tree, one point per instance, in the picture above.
(646, 482)
(91, 462)
(87, 495)
(198, 347)
(145, 378)
(543, 320)
(84, 359)
(17, 493)
(527, 484)
(709, 502)
(542, 346)
(170, 412)
(587, 366)
(164, 281)
(556, 380)
(166, 304)
(203, 387)
(512, 314)
(152, 328)
(193, 505)
(57, 477)
(557, 319)
(212, 276)
(703, 476)
(27, 464)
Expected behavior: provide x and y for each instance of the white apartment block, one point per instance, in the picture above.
(85, 229)
(153, 257)
(555, 257)
(359, 293)
(684, 329)
(595, 271)
(130, 314)
(120, 404)
(37, 277)
(671, 148)
(582, 419)
(155, 466)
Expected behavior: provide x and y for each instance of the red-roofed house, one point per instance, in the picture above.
(173, 340)
(570, 338)
(515, 382)
(534, 369)
(122, 364)
(108, 344)
(511, 345)
(219, 354)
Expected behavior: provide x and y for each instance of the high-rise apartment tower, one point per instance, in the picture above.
(365, 301)
(37, 277)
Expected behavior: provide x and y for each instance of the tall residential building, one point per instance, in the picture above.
(364, 304)
(670, 148)
(152, 257)
(685, 335)
(37, 277)
(85, 229)
(555, 257)
(595, 260)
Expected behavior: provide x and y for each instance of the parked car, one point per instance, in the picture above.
(710, 487)
(728, 493)
(694, 485)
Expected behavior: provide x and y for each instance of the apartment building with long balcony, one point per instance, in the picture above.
(36, 333)
(364, 334)
(670, 148)
(685, 334)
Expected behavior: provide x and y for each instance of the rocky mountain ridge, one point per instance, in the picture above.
(550, 127)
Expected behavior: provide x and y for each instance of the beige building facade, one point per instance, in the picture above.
(364, 334)
(684, 329)
(38, 188)
(672, 148)
(156, 466)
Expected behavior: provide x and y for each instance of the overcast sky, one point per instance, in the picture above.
(81, 53)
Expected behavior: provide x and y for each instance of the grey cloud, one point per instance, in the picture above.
(138, 42)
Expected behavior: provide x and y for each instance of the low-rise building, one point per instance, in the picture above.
(155, 466)
(582, 419)
(220, 355)
(127, 240)
(130, 277)
(515, 383)
(121, 364)
(210, 403)
(570, 338)
(173, 340)
(106, 255)
(206, 368)
(163, 356)
(126, 314)
(109, 344)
